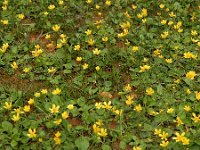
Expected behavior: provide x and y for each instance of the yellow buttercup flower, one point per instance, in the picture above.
(16, 117)
(88, 32)
(197, 95)
(37, 94)
(77, 47)
(149, 91)
(65, 115)
(144, 68)
(191, 75)
(138, 108)
(5, 22)
(56, 28)
(14, 65)
(79, 59)
(27, 108)
(20, 16)
(163, 135)
(32, 133)
(85, 66)
(8, 106)
(170, 110)
(102, 132)
(195, 118)
(54, 109)
(31, 101)
(96, 51)
(97, 68)
(58, 121)
(44, 91)
(187, 108)
(135, 48)
(57, 91)
(51, 7)
(70, 106)
(157, 131)
(164, 143)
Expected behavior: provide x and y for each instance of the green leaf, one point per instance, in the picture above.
(106, 147)
(82, 143)
(123, 145)
(7, 126)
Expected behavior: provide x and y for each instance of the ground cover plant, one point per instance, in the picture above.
(100, 74)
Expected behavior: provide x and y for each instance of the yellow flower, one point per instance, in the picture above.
(59, 45)
(44, 91)
(4, 47)
(107, 105)
(91, 41)
(51, 7)
(197, 95)
(163, 135)
(149, 91)
(89, 1)
(96, 128)
(133, 6)
(144, 68)
(37, 94)
(178, 121)
(168, 60)
(185, 141)
(135, 48)
(171, 14)
(56, 28)
(102, 132)
(138, 108)
(57, 91)
(194, 32)
(57, 140)
(70, 106)
(88, 32)
(187, 108)
(104, 39)
(97, 68)
(32, 133)
(77, 47)
(47, 36)
(5, 22)
(189, 55)
(52, 70)
(46, 13)
(164, 34)
(85, 66)
(31, 101)
(96, 51)
(20, 16)
(58, 121)
(170, 110)
(164, 143)
(128, 88)
(60, 2)
(157, 131)
(79, 59)
(191, 75)
(57, 134)
(108, 2)
(27, 108)
(8, 105)
(137, 148)
(195, 118)
(163, 22)
(14, 65)
(98, 105)
(26, 70)
(54, 109)
(179, 137)
(161, 6)
(16, 117)
(170, 23)
(65, 115)
(144, 12)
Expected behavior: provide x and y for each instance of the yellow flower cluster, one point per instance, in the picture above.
(37, 52)
(181, 138)
(163, 135)
(99, 130)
